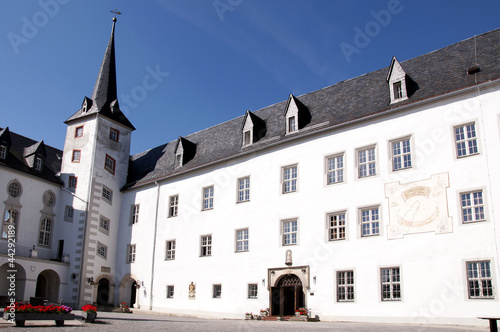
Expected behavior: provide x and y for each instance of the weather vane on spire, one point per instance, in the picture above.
(116, 12)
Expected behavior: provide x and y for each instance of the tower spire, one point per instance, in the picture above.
(105, 87)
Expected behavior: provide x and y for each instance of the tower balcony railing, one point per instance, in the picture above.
(33, 252)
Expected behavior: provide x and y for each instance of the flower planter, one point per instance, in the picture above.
(248, 316)
(91, 316)
(21, 317)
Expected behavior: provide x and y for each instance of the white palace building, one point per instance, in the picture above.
(376, 199)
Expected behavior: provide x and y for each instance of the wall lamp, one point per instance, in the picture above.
(91, 280)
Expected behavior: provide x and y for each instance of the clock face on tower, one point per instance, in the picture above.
(418, 207)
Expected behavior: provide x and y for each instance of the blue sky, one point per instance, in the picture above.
(183, 66)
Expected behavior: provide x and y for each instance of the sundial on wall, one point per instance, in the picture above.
(418, 207)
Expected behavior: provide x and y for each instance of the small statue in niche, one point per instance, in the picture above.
(192, 291)
(288, 260)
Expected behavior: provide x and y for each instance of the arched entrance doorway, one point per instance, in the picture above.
(103, 292)
(287, 296)
(133, 292)
(47, 285)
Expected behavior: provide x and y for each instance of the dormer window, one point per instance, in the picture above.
(398, 82)
(178, 160)
(296, 114)
(3, 152)
(247, 137)
(184, 152)
(38, 163)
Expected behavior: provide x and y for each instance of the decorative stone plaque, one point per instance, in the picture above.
(192, 291)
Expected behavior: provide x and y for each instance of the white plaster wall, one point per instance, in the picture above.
(432, 266)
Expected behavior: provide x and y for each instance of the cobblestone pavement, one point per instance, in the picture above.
(137, 322)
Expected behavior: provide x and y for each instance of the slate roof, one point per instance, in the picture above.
(433, 74)
(22, 147)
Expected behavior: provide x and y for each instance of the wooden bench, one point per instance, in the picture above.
(493, 323)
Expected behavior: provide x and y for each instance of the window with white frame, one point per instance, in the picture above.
(170, 250)
(206, 245)
(102, 250)
(45, 232)
(289, 179)
(401, 154)
(479, 280)
(10, 221)
(390, 284)
(345, 286)
(109, 164)
(68, 213)
(75, 158)
(336, 226)
(131, 253)
(173, 206)
(367, 163)
(208, 198)
(335, 169)
(398, 90)
(370, 221)
(178, 160)
(217, 291)
(79, 131)
(242, 240)
(170, 291)
(252, 291)
(292, 124)
(38, 163)
(104, 224)
(472, 205)
(134, 214)
(244, 189)
(466, 140)
(247, 137)
(107, 194)
(3, 152)
(289, 232)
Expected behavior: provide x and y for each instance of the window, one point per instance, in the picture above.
(398, 90)
(79, 131)
(244, 189)
(335, 169)
(391, 284)
(479, 280)
(252, 291)
(45, 231)
(170, 291)
(206, 245)
(14, 189)
(217, 291)
(131, 253)
(208, 198)
(102, 250)
(49, 199)
(109, 164)
(107, 194)
(336, 226)
(134, 214)
(370, 221)
(72, 182)
(292, 124)
(178, 160)
(289, 179)
(170, 253)
(68, 213)
(466, 140)
(289, 231)
(173, 206)
(75, 158)
(114, 134)
(401, 154)
(242, 240)
(9, 222)
(472, 206)
(38, 163)
(345, 286)
(247, 137)
(104, 224)
(366, 162)
(3, 152)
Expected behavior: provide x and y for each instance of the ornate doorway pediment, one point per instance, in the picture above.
(275, 274)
